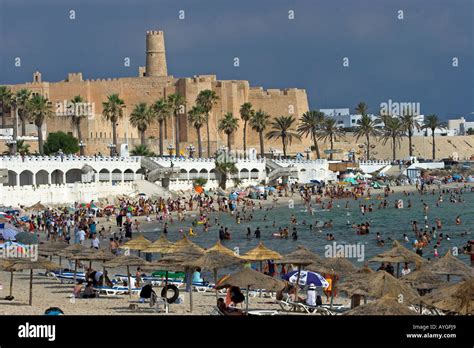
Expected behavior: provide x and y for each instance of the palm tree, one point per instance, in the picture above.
(246, 113)
(197, 118)
(176, 102)
(141, 150)
(113, 111)
(282, 129)
(206, 99)
(258, 122)
(330, 131)
(224, 169)
(76, 120)
(161, 112)
(228, 125)
(5, 101)
(366, 128)
(22, 98)
(310, 123)
(141, 117)
(432, 122)
(410, 123)
(393, 130)
(39, 109)
(361, 109)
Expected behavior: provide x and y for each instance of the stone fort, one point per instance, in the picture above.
(153, 83)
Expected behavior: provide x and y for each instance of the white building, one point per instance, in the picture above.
(347, 120)
(460, 126)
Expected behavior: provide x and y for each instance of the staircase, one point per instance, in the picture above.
(276, 171)
(157, 172)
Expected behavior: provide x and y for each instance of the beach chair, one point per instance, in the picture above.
(216, 311)
(109, 291)
(286, 304)
(313, 309)
(159, 303)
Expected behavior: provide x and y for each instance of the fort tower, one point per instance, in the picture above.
(155, 54)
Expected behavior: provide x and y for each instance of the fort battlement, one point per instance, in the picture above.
(155, 32)
(259, 92)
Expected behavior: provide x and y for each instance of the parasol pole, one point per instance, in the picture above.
(190, 289)
(31, 286)
(60, 267)
(297, 283)
(247, 300)
(129, 285)
(398, 269)
(215, 282)
(333, 284)
(11, 283)
(75, 271)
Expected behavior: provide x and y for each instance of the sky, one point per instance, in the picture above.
(403, 56)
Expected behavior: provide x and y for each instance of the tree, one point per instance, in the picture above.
(39, 109)
(246, 113)
(410, 124)
(310, 123)
(432, 122)
(393, 131)
(113, 111)
(206, 99)
(60, 141)
(161, 112)
(258, 122)
(176, 103)
(142, 150)
(197, 118)
(22, 98)
(228, 125)
(282, 129)
(5, 102)
(366, 128)
(76, 119)
(224, 169)
(470, 131)
(330, 131)
(141, 117)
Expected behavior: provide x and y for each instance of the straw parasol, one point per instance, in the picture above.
(37, 207)
(300, 257)
(213, 260)
(71, 251)
(139, 243)
(377, 285)
(450, 265)
(397, 255)
(457, 298)
(183, 244)
(161, 245)
(51, 249)
(187, 251)
(26, 264)
(261, 253)
(126, 260)
(249, 278)
(423, 279)
(221, 249)
(93, 255)
(384, 306)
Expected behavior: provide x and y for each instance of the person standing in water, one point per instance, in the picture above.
(294, 235)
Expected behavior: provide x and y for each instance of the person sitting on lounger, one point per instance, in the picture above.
(226, 310)
(108, 282)
(77, 289)
(89, 291)
(197, 276)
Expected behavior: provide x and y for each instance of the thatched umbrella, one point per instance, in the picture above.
(334, 266)
(249, 278)
(397, 255)
(183, 244)
(139, 243)
(93, 255)
(213, 260)
(72, 250)
(37, 207)
(52, 249)
(377, 285)
(300, 257)
(126, 260)
(188, 251)
(26, 264)
(450, 265)
(221, 249)
(161, 245)
(457, 298)
(383, 306)
(423, 279)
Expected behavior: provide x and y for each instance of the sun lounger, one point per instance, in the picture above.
(313, 309)
(203, 287)
(116, 290)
